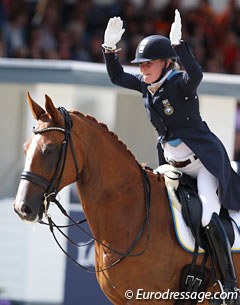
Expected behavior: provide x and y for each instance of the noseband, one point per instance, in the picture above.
(51, 188)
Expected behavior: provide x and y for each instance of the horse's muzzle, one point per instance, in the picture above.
(25, 212)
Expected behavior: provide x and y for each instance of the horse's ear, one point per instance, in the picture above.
(36, 110)
(50, 108)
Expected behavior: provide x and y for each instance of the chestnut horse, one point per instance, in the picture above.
(111, 189)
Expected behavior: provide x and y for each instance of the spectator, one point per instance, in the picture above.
(230, 49)
(15, 31)
(70, 30)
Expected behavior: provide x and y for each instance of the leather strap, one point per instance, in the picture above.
(181, 164)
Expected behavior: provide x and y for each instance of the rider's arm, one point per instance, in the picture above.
(117, 74)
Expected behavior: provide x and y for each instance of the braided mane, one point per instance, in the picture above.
(105, 129)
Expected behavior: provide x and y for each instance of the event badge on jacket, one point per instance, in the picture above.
(168, 108)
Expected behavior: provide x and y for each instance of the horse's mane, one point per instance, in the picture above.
(106, 130)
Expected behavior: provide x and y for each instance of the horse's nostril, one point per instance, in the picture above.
(25, 209)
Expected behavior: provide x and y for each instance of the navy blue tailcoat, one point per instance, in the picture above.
(179, 92)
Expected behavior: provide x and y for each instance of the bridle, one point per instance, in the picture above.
(51, 189)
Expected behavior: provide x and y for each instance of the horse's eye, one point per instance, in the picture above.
(48, 149)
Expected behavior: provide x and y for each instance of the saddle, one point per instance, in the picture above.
(183, 196)
(192, 211)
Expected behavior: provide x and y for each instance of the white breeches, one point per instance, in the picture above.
(207, 184)
(207, 189)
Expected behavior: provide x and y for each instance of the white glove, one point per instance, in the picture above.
(113, 33)
(176, 29)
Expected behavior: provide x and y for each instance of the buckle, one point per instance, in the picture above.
(172, 162)
(197, 281)
(191, 277)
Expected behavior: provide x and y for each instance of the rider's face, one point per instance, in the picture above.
(151, 70)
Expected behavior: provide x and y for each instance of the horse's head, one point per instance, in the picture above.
(50, 162)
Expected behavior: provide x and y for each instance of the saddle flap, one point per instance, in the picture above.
(192, 212)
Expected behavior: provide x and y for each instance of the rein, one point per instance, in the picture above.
(51, 189)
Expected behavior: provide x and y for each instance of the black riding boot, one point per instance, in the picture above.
(221, 251)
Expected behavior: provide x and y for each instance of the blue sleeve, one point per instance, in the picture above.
(118, 76)
(193, 75)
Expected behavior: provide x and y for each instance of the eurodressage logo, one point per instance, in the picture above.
(168, 108)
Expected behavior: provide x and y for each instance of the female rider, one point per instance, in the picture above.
(185, 141)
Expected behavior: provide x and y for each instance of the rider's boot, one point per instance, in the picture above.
(221, 251)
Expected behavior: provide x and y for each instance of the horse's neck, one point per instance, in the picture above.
(113, 185)
(113, 198)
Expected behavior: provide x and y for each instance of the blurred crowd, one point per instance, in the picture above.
(74, 30)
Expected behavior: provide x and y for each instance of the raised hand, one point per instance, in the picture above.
(176, 29)
(113, 33)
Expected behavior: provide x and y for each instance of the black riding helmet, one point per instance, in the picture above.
(154, 47)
